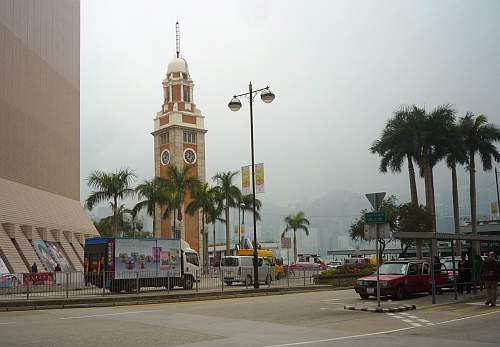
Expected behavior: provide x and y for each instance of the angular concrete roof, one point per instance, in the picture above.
(22, 204)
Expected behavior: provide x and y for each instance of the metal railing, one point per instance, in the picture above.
(30, 286)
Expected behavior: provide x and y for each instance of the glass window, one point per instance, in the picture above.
(393, 269)
(229, 261)
(187, 97)
(413, 269)
(189, 137)
(164, 139)
(426, 269)
(192, 258)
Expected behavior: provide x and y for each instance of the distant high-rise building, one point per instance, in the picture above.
(40, 135)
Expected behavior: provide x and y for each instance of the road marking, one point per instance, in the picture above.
(398, 317)
(407, 320)
(324, 308)
(108, 314)
(377, 333)
(423, 320)
(413, 317)
(405, 314)
(391, 314)
(416, 324)
(326, 300)
(7, 323)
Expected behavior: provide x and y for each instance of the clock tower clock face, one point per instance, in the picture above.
(189, 156)
(165, 157)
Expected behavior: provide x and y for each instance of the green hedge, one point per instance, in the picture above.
(350, 269)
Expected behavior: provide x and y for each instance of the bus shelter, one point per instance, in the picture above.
(453, 239)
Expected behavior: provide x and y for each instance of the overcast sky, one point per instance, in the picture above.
(338, 69)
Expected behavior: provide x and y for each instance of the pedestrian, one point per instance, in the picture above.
(57, 268)
(34, 268)
(464, 274)
(490, 273)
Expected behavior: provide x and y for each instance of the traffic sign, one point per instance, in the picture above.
(384, 231)
(377, 217)
(375, 199)
(286, 242)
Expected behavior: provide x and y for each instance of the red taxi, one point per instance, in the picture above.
(401, 278)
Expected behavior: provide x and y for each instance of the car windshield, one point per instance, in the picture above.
(449, 264)
(393, 269)
(229, 262)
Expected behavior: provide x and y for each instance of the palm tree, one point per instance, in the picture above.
(231, 194)
(203, 199)
(214, 210)
(296, 222)
(479, 138)
(155, 193)
(110, 186)
(399, 143)
(246, 205)
(455, 155)
(179, 183)
(433, 136)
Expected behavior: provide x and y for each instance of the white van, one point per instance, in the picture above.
(240, 269)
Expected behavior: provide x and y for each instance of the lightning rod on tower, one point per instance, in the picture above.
(177, 39)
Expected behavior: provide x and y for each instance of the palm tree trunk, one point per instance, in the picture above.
(205, 243)
(215, 250)
(472, 186)
(294, 245)
(174, 232)
(456, 211)
(228, 240)
(115, 217)
(428, 194)
(414, 199)
(413, 184)
(154, 220)
(435, 249)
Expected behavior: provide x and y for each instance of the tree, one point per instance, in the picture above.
(411, 218)
(246, 205)
(455, 155)
(214, 210)
(231, 194)
(203, 200)
(399, 143)
(357, 229)
(479, 138)
(110, 186)
(296, 222)
(154, 193)
(179, 183)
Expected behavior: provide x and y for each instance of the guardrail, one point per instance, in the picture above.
(29, 286)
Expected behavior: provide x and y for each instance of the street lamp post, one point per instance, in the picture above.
(234, 105)
(498, 195)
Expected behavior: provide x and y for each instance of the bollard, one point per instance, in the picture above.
(137, 283)
(197, 279)
(103, 283)
(67, 284)
(168, 282)
(304, 277)
(222, 278)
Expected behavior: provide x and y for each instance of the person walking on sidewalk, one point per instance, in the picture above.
(490, 273)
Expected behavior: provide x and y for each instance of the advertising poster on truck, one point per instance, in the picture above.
(146, 258)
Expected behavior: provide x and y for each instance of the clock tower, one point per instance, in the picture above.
(179, 139)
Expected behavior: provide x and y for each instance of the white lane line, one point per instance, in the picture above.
(377, 333)
(323, 308)
(7, 323)
(413, 317)
(405, 314)
(398, 317)
(416, 324)
(109, 314)
(326, 300)
(391, 314)
(407, 320)
(423, 320)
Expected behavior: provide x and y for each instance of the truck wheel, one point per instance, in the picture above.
(188, 282)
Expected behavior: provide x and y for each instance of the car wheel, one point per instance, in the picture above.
(400, 293)
(364, 296)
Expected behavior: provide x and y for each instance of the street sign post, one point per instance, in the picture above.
(375, 200)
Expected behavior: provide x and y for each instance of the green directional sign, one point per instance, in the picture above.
(377, 217)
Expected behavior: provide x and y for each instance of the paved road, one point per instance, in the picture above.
(308, 319)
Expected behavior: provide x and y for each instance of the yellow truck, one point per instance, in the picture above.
(265, 253)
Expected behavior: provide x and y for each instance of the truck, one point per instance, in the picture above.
(129, 264)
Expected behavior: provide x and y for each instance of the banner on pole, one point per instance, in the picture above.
(286, 242)
(245, 180)
(259, 178)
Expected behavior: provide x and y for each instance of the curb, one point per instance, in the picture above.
(400, 308)
(7, 306)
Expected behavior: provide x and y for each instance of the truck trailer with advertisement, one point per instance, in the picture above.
(129, 264)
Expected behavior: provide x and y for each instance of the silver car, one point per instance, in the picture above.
(240, 269)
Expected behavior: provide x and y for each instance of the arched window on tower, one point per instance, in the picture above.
(187, 95)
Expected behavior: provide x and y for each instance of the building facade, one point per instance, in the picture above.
(179, 139)
(40, 134)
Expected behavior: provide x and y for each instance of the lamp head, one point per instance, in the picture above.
(234, 104)
(267, 96)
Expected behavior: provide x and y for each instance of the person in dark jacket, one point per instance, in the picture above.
(34, 268)
(464, 274)
(490, 273)
(57, 268)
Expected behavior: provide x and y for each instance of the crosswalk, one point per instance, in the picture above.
(410, 319)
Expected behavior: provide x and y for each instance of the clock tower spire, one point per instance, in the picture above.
(179, 139)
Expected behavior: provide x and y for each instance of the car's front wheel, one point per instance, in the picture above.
(364, 296)
(400, 293)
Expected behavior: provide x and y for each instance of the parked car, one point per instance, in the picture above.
(309, 262)
(240, 269)
(334, 264)
(448, 264)
(401, 278)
